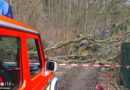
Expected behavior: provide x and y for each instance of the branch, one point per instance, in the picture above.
(71, 60)
(90, 40)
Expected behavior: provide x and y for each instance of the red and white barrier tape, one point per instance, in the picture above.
(9, 62)
(81, 65)
(93, 65)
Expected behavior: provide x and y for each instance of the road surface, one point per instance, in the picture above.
(77, 78)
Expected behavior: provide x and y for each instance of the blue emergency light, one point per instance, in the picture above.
(5, 9)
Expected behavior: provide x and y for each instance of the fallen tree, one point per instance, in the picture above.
(107, 51)
(121, 27)
(88, 38)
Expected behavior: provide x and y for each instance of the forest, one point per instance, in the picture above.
(78, 31)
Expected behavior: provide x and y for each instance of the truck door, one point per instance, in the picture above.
(9, 62)
(36, 64)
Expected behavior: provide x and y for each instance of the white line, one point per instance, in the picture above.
(107, 65)
(73, 64)
(85, 65)
(96, 65)
(62, 64)
(6, 24)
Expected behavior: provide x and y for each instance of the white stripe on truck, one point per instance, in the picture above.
(6, 24)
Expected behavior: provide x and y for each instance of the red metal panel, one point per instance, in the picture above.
(26, 83)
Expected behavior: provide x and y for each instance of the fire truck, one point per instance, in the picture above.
(22, 62)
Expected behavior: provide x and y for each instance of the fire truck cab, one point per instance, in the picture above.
(22, 61)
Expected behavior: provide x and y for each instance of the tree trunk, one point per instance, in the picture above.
(68, 20)
(86, 17)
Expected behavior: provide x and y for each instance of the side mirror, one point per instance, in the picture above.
(51, 66)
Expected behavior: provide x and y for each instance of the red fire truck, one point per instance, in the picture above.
(22, 62)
